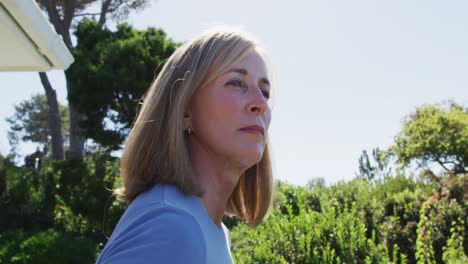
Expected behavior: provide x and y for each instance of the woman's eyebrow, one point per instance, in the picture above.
(245, 72)
(239, 70)
(265, 81)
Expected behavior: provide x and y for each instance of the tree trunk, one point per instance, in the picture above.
(104, 9)
(62, 27)
(54, 120)
(76, 150)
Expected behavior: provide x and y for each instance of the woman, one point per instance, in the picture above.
(198, 150)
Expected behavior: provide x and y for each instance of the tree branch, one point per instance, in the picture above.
(54, 15)
(45, 82)
(57, 21)
(104, 9)
(53, 119)
(442, 164)
(68, 14)
(87, 14)
(450, 162)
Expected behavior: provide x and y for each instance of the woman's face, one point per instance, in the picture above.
(230, 116)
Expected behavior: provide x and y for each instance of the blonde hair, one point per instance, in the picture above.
(157, 152)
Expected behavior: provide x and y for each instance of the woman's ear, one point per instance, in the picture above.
(187, 120)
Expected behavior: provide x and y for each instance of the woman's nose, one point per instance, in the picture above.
(258, 103)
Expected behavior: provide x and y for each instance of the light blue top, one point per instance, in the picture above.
(163, 225)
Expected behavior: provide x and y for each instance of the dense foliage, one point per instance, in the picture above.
(44, 247)
(63, 211)
(64, 208)
(63, 16)
(112, 72)
(391, 221)
(435, 134)
(29, 123)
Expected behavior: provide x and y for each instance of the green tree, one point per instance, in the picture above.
(315, 182)
(62, 14)
(435, 133)
(453, 252)
(30, 122)
(377, 167)
(112, 72)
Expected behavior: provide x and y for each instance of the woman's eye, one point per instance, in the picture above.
(266, 94)
(237, 83)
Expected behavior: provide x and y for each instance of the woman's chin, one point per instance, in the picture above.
(250, 159)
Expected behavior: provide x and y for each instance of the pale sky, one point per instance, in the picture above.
(346, 72)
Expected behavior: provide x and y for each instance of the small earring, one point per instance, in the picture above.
(190, 130)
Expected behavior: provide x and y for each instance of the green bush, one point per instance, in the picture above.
(27, 197)
(49, 246)
(400, 220)
(10, 244)
(453, 252)
(83, 196)
(390, 220)
(387, 221)
(70, 195)
(292, 200)
(295, 233)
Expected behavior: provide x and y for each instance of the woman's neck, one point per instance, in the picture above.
(217, 178)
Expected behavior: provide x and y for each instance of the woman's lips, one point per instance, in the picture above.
(258, 130)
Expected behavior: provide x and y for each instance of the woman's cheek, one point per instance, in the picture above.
(229, 103)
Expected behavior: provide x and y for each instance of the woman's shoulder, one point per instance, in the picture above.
(154, 226)
(158, 199)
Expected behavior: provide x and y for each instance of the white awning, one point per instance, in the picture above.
(28, 41)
